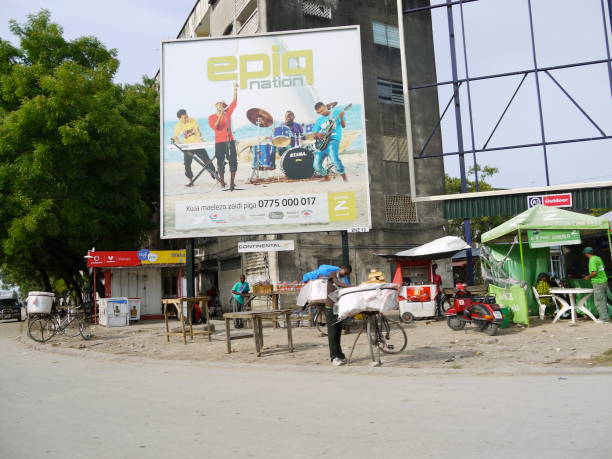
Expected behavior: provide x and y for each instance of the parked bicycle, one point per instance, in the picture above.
(70, 322)
(383, 334)
(320, 322)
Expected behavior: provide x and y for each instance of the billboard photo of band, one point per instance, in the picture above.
(263, 134)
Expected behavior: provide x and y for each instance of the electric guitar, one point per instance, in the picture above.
(321, 144)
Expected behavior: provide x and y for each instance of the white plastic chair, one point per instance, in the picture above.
(543, 306)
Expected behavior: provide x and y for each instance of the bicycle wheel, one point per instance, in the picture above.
(41, 329)
(373, 338)
(393, 339)
(72, 325)
(319, 321)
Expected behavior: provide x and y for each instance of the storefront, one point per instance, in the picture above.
(144, 275)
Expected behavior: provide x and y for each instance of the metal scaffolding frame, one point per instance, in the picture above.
(535, 70)
(457, 82)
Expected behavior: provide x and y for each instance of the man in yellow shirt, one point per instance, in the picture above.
(187, 130)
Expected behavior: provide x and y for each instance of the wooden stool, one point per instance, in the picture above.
(177, 303)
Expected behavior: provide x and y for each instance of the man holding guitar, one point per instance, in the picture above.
(328, 134)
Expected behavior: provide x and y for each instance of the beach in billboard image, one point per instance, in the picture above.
(264, 134)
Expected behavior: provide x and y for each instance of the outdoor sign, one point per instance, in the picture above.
(266, 246)
(278, 122)
(134, 258)
(550, 200)
(552, 238)
(159, 257)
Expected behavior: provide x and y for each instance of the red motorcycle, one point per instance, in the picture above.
(482, 311)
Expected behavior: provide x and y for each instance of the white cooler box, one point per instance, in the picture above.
(39, 302)
(114, 312)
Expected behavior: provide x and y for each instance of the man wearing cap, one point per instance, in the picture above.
(599, 279)
(225, 145)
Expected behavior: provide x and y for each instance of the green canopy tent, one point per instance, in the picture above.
(517, 229)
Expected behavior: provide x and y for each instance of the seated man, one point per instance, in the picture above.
(187, 130)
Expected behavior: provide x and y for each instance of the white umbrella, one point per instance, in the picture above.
(444, 247)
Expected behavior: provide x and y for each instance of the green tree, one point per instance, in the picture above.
(78, 155)
(481, 224)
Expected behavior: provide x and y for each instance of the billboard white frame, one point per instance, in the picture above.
(330, 226)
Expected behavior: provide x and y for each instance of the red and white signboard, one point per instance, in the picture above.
(113, 259)
(550, 200)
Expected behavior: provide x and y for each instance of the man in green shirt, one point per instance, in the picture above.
(240, 290)
(599, 279)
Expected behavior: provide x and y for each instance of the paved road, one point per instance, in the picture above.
(59, 406)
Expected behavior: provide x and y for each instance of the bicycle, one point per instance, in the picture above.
(319, 321)
(383, 334)
(70, 322)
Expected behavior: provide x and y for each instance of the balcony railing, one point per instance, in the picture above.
(251, 24)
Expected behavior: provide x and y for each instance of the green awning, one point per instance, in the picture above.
(542, 217)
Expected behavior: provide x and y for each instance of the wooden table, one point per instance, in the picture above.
(177, 303)
(256, 318)
(275, 301)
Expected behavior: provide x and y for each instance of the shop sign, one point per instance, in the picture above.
(266, 246)
(112, 259)
(162, 257)
(552, 238)
(550, 200)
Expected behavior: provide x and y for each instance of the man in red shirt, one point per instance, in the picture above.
(225, 145)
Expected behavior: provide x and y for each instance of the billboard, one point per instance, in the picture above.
(263, 134)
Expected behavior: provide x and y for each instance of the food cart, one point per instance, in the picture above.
(412, 270)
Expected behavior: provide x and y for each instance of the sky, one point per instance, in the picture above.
(498, 40)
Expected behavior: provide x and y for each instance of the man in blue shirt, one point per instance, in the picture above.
(327, 116)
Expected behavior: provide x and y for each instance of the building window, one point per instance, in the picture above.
(400, 209)
(386, 35)
(321, 11)
(395, 148)
(390, 92)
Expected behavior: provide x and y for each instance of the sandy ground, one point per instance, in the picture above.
(431, 345)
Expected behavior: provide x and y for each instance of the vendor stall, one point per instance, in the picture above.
(515, 252)
(413, 271)
(138, 277)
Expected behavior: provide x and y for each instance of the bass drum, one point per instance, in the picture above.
(297, 163)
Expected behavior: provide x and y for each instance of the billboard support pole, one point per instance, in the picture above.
(467, 227)
(189, 268)
(345, 248)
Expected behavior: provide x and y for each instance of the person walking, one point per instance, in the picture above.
(599, 279)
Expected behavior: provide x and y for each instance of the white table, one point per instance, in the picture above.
(572, 292)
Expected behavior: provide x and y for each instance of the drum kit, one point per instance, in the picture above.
(297, 160)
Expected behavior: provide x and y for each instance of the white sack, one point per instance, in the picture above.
(314, 291)
(368, 297)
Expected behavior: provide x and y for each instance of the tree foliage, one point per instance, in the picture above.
(481, 224)
(78, 154)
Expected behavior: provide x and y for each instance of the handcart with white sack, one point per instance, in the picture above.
(373, 300)
(314, 294)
